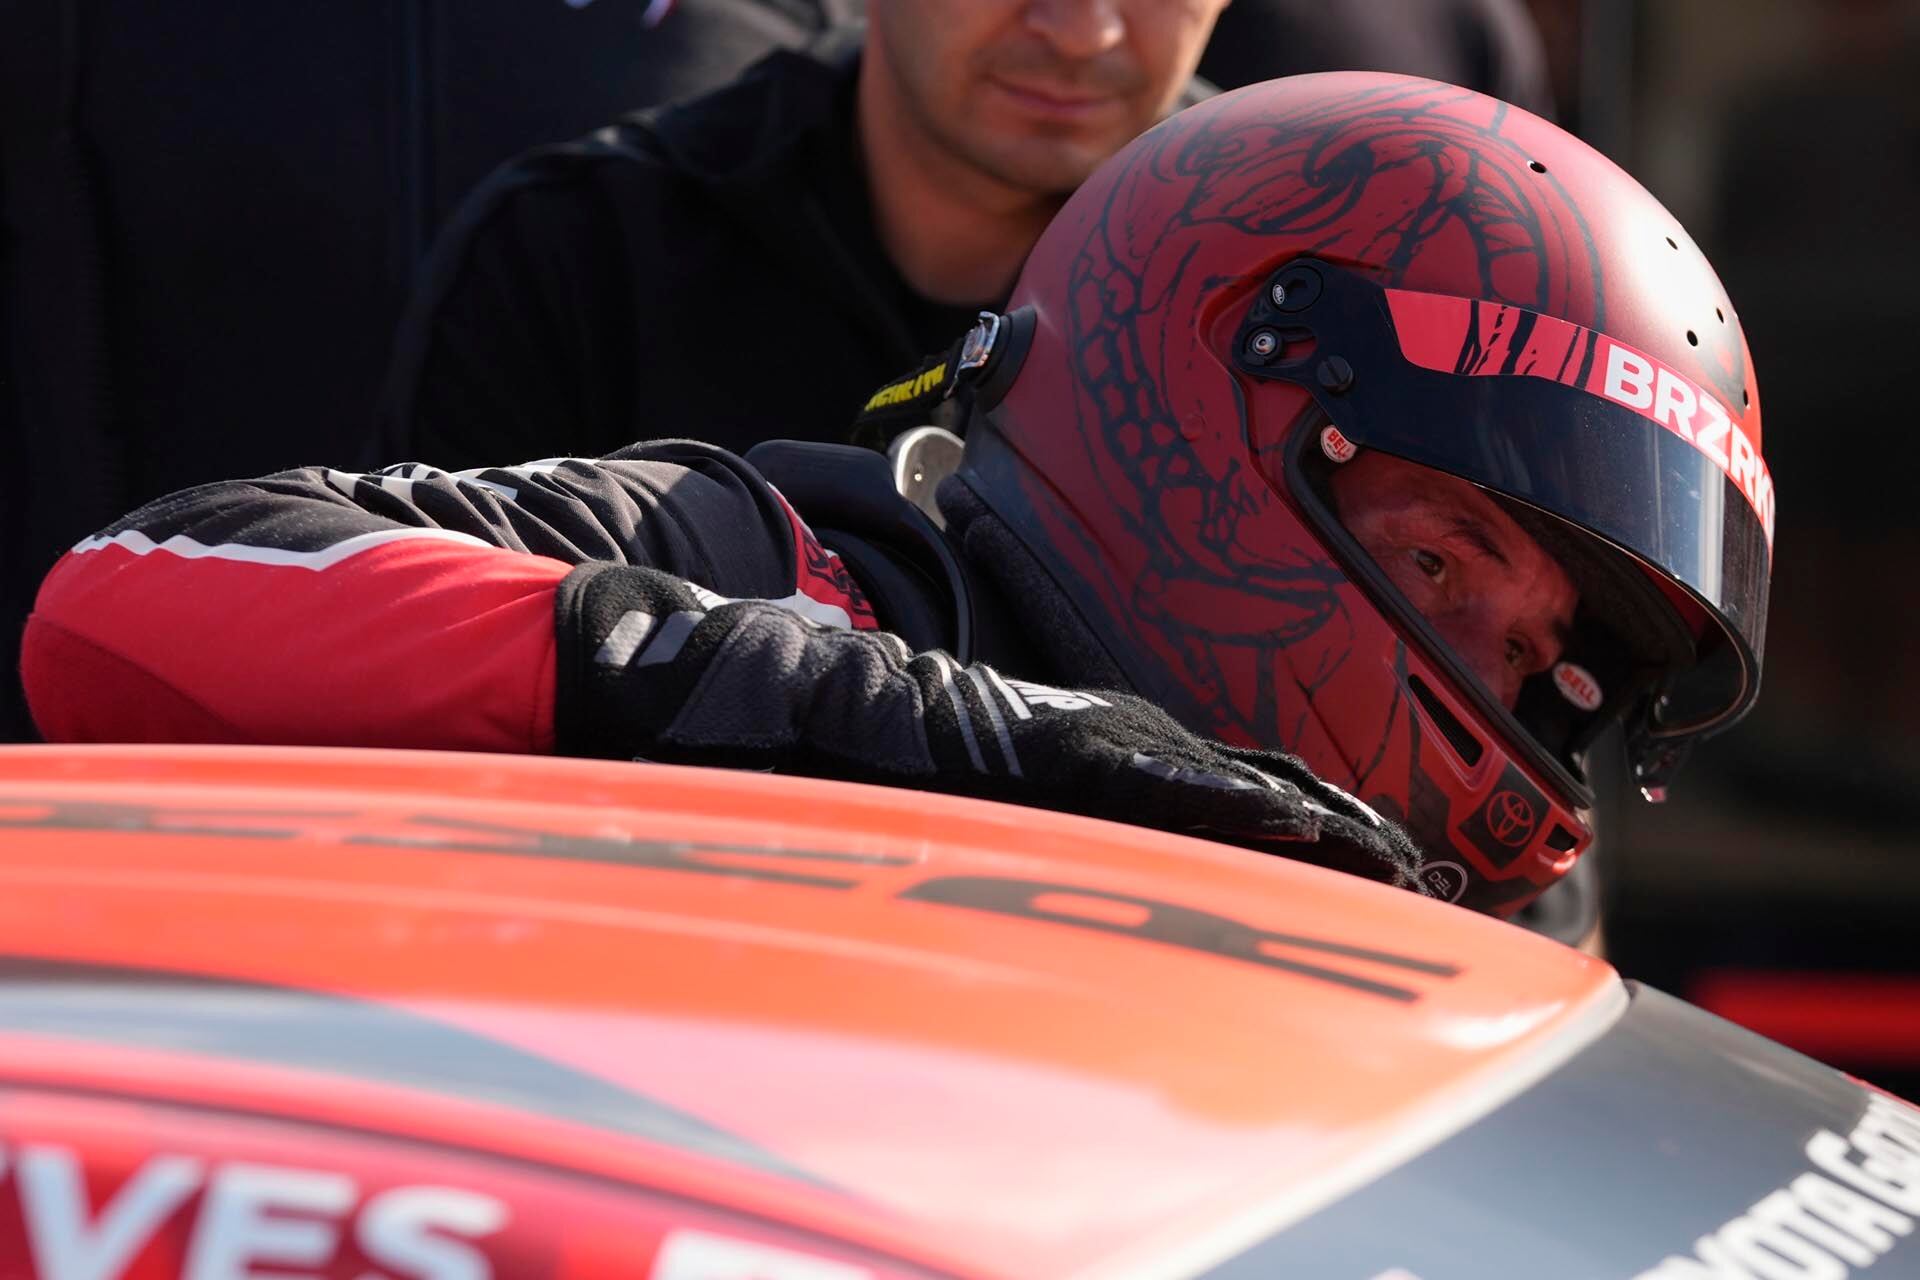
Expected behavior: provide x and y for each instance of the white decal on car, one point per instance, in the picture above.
(250, 1218)
(1821, 1225)
(700, 1255)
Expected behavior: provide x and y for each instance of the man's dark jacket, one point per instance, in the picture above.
(708, 268)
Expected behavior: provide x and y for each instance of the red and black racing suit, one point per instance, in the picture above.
(407, 608)
(664, 602)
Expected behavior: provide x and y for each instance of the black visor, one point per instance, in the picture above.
(1569, 423)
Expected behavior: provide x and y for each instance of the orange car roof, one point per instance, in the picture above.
(1002, 1041)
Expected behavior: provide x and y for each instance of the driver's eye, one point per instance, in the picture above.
(1516, 652)
(1430, 564)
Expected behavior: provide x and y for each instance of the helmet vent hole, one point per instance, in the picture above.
(1536, 166)
(1719, 315)
(1746, 398)
(1671, 243)
(1693, 339)
(1458, 736)
(1560, 840)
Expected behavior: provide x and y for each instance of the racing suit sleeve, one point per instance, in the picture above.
(408, 608)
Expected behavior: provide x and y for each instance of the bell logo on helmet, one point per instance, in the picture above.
(1444, 880)
(1336, 446)
(1577, 685)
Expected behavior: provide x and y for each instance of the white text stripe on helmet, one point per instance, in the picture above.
(187, 549)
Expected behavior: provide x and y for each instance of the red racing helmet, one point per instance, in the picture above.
(1280, 276)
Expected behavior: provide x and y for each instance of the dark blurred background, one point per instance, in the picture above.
(1781, 883)
(210, 216)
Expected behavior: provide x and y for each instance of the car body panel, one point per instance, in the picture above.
(964, 1036)
(1677, 1146)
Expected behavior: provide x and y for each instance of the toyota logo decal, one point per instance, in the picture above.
(1510, 818)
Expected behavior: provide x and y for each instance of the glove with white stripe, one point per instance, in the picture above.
(652, 667)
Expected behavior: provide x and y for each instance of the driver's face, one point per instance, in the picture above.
(1503, 604)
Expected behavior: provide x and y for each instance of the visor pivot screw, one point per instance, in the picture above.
(1335, 374)
(1296, 288)
(1263, 344)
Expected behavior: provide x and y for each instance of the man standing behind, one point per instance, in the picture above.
(755, 262)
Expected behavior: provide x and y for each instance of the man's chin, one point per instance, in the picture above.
(1047, 166)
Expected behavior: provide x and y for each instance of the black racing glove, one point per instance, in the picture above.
(652, 667)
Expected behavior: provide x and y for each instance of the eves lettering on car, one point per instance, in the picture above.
(234, 1218)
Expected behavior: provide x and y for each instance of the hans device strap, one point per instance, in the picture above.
(975, 369)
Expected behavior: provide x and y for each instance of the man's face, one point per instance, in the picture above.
(1503, 604)
(1036, 93)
